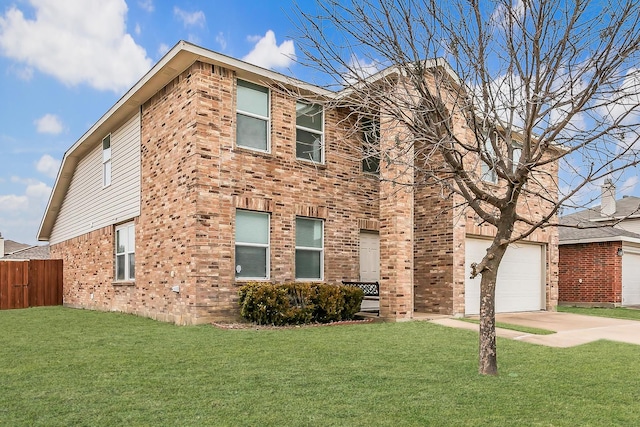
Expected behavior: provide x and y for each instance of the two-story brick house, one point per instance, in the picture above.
(202, 177)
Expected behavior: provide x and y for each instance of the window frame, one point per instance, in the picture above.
(267, 246)
(310, 249)
(488, 172)
(106, 162)
(370, 129)
(130, 228)
(266, 119)
(312, 131)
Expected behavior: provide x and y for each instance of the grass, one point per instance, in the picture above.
(519, 328)
(62, 367)
(618, 313)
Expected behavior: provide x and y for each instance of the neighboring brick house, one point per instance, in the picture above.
(599, 263)
(202, 177)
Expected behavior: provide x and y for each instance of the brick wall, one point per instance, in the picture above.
(590, 274)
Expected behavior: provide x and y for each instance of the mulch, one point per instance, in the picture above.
(310, 325)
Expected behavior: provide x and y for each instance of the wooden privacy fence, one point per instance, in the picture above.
(30, 283)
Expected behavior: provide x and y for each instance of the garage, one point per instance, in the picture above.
(520, 278)
(630, 277)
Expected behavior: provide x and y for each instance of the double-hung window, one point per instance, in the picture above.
(371, 146)
(488, 172)
(252, 118)
(309, 132)
(252, 245)
(515, 157)
(309, 249)
(106, 161)
(125, 252)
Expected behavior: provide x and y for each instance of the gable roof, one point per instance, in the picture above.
(30, 252)
(593, 227)
(174, 62)
(11, 246)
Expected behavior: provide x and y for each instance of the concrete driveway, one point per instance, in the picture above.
(571, 329)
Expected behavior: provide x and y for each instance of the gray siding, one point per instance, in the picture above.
(88, 205)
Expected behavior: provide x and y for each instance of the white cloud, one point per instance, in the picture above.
(629, 185)
(162, 49)
(20, 214)
(146, 5)
(48, 166)
(23, 73)
(49, 123)
(137, 30)
(266, 53)
(622, 103)
(360, 68)
(66, 41)
(221, 40)
(190, 19)
(13, 203)
(500, 14)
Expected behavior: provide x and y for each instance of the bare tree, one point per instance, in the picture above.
(488, 97)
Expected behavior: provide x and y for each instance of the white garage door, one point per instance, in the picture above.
(520, 284)
(630, 279)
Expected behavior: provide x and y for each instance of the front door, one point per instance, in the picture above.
(369, 257)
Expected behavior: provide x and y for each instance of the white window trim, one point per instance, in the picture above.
(255, 116)
(256, 245)
(316, 132)
(129, 226)
(106, 178)
(306, 248)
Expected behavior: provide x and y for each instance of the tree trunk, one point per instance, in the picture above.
(488, 358)
(488, 363)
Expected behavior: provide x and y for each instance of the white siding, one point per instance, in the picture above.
(632, 225)
(87, 205)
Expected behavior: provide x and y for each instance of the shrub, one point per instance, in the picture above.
(298, 303)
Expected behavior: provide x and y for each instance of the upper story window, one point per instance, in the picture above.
(252, 245)
(125, 252)
(371, 146)
(515, 157)
(106, 161)
(309, 249)
(252, 118)
(309, 132)
(488, 172)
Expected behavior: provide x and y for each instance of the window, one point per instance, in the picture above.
(252, 245)
(309, 249)
(371, 146)
(488, 172)
(515, 157)
(106, 161)
(309, 129)
(125, 252)
(252, 118)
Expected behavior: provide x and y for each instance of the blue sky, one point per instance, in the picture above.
(64, 63)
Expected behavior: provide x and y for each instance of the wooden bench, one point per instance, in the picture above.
(371, 292)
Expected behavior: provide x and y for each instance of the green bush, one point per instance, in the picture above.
(298, 303)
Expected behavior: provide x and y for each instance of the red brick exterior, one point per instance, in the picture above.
(194, 178)
(591, 274)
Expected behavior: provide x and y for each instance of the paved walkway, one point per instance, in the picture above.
(571, 329)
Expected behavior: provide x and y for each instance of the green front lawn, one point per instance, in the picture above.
(61, 367)
(618, 313)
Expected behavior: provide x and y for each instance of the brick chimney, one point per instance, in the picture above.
(608, 198)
